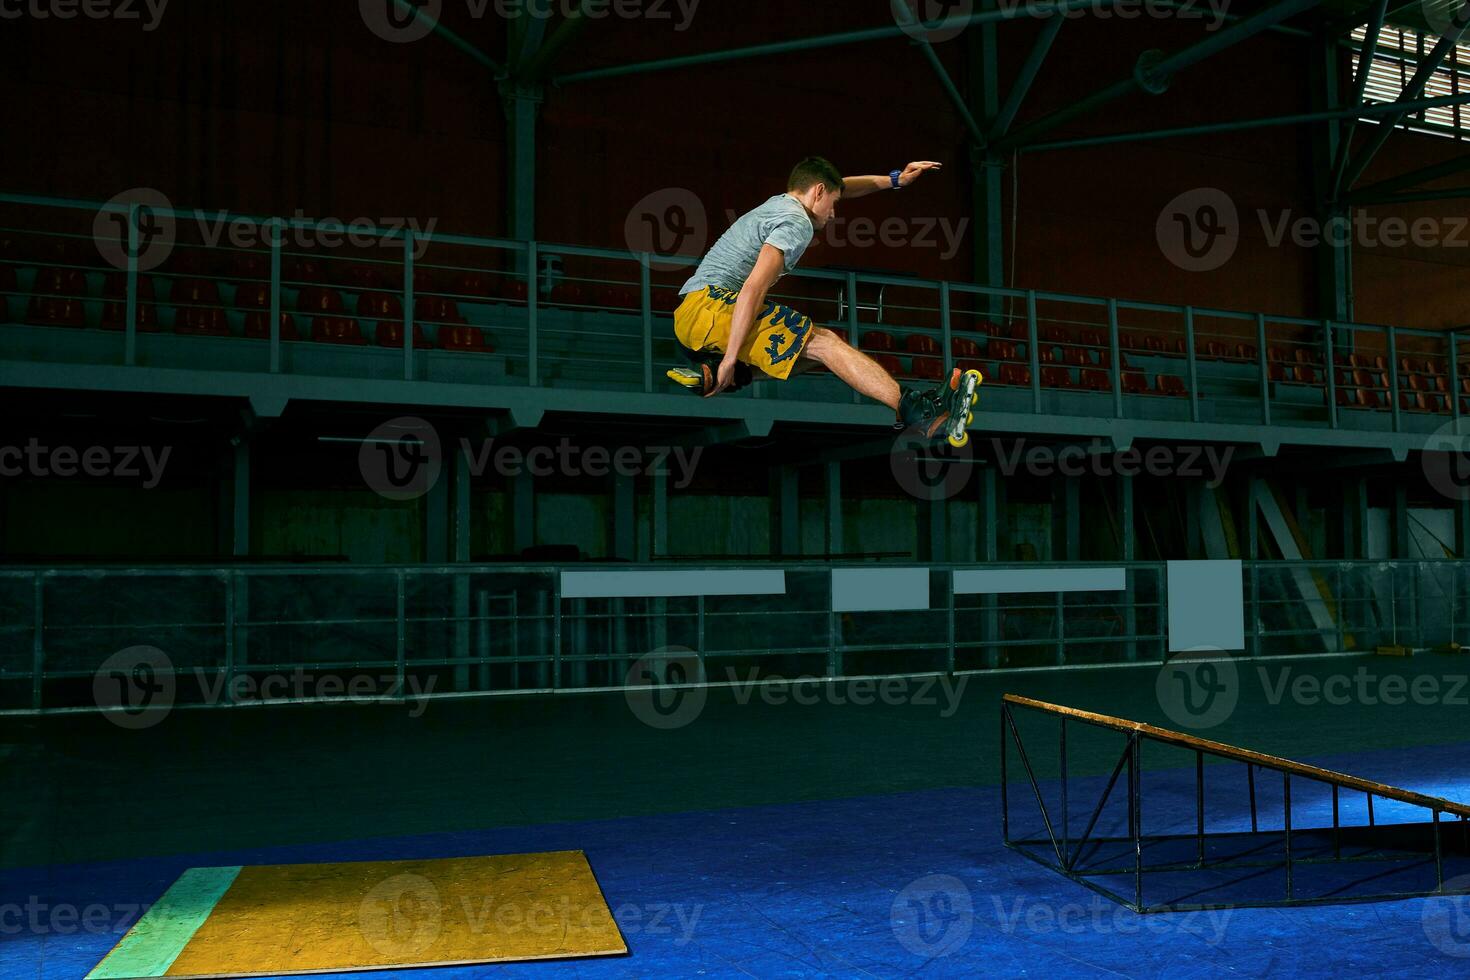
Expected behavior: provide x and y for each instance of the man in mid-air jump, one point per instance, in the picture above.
(726, 326)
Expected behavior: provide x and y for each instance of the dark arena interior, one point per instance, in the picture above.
(732, 488)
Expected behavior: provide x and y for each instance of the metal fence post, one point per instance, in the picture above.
(38, 642)
(1117, 355)
(1393, 375)
(408, 311)
(1331, 377)
(1454, 375)
(228, 689)
(1265, 366)
(1033, 335)
(401, 624)
(533, 284)
(645, 289)
(1193, 361)
(130, 339)
(275, 324)
(852, 320)
(944, 328)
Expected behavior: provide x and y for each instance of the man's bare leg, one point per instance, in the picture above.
(859, 370)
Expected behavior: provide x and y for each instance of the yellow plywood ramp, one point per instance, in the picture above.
(285, 919)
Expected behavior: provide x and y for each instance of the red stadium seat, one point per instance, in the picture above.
(965, 347)
(508, 287)
(568, 294)
(53, 281)
(362, 275)
(922, 344)
(1135, 383)
(471, 284)
(464, 338)
(253, 266)
(927, 368)
(439, 309)
(336, 330)
(875, 340)
(1097, 379)
(54, 311)
(379, 306)
(256, 297)
(389, 333)
(615, 296)
(198, 309)
(303, 271)
(1171, 384)
(1014, 374)
(115, 311)
(319, 299)
(1004, 350)
(1056, 377)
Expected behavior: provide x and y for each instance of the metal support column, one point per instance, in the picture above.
(785, 521)
(988, 169)
(990, 526)
(523, 510)
(436, 523)
(660, 547)
(240, 500)
(624, 518)
(834, 507)
(1402, 544)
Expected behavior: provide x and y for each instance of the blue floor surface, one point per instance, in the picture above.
(901, 885)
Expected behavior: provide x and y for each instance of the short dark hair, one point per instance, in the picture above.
(814, 170)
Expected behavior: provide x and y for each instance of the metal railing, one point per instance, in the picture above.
(188, 289)
(223, 633)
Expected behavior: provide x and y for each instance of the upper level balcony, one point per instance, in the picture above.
(125, 297)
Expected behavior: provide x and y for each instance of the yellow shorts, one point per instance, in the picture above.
(703, 319)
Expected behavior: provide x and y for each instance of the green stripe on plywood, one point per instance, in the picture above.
(157, 939)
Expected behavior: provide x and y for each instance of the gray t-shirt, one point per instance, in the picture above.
(780, 221)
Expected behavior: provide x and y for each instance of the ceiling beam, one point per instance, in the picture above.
(454, 39)
(1413, 178)
(1360, 86)
(1385, 109)
(1153, 71)
(1412, 91)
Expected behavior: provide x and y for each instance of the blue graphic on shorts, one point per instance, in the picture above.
(785, 316)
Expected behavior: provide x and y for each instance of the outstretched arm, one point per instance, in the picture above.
(863, 186)
(751, 301)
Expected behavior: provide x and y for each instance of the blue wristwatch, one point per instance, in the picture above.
(893, 175)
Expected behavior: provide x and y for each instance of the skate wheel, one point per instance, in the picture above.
(969, 419)
(974, 397)
(959, 441)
